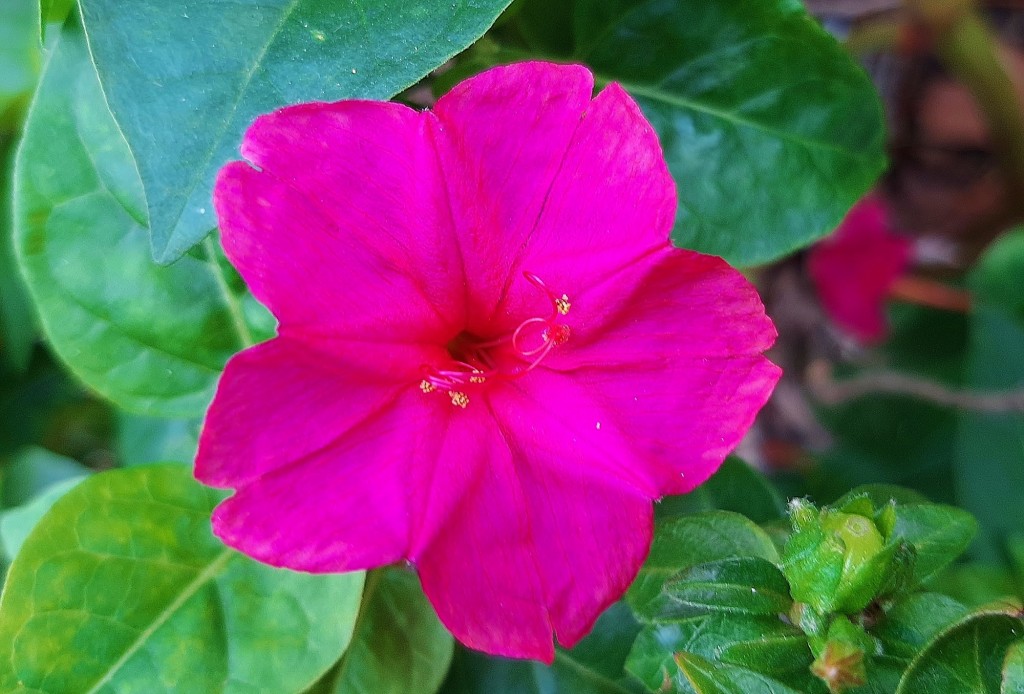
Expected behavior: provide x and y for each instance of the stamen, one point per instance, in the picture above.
(562, 304)
(479, 361)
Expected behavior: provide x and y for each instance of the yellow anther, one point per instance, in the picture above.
(562, 304)
(459, 399)
(477, 377)
(426, 386)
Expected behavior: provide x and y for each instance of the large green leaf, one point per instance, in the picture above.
(747, 98)
(151, 339)
(184, 79)
(17, 523)
(1013, 670)
(594, 666)
(966, 657)
(690, 540)
(123, 588)
(142, 440)
(704, 676)
(399, 645)
(990, 451)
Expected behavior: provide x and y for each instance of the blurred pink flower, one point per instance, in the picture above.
(854, 269)
(490, 359)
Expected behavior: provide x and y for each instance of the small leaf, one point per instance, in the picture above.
(399, 645)
(938, 534)
(151, 339)
(184, 118)
(689, 540)
(20, 59)
(744, 585)
(965, 657)
(53, 12)
(708, 677)
(764, 645)
(122, 587)
(910, 623)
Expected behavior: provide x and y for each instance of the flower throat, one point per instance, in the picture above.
(474, 361)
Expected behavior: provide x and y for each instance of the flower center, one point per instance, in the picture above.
(476, 361)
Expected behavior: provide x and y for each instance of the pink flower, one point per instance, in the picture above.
(854, 269)
(490, 360)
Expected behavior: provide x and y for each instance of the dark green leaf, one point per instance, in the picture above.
(122, 587)
(594, 666)
(399, 645)
(909, 624)
(990, 451)
(185, 79)
(735, 487)
(938, 534)
(1013, 670)
(151, 339)
(744, 585)
(18, 330)
(966, 657)
(709, 677)
(746, 98)
(689, 540)
(31, 471)
(16, 523)
(764, 645)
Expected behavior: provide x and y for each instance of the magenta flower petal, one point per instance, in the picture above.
(342, 506)
(854, 269)
(491, 361)
(568, 544)
(313, 235)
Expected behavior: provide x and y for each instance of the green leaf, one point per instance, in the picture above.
(966, 657)
(911, 622)
(16, 523)
(53, 12)
(990, 450)
(708, 677)
(122, 587)
(743, 585)
(938, 533)
(399, 645)
(31, 471)
(746, 98)
(690, 540)
(142, 440)
(151, 339)
(764, 645)
(185, 79)
(20, 59)
(735, 487)
(594, 666)
(1013, 670)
